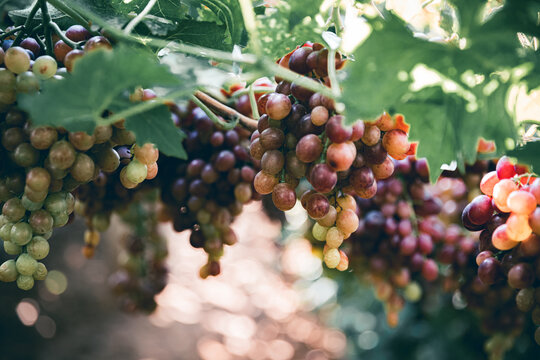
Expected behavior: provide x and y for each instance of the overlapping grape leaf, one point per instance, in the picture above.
(210, 23)
(167, 136)
(99, 79)
(528, 154)
(447, 124)
(202, 33)
(288, 25)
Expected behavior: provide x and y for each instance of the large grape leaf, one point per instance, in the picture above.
(98, 81)
(381, 78)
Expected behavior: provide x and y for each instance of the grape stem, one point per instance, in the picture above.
(332, 73)
(64, 38)
(336, 18)
(253, 102)
(46, 20)
(10, 32)
(142, 107)
(27, 23)
(207, 99)
(73, 14)
(215, 119)
(256, 89)
(137, 19)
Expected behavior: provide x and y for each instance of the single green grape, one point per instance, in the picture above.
(56, 203)
(13, 210)
(25, 282)
(60, 219)
(8, 271)
(26, 265)
(31, 205)
(17, 60)
(41, 272)
(5, 231)
(11, 248)
(136, 172)
(38, 248)
(21, 233)
(45, 67)
(7, 80)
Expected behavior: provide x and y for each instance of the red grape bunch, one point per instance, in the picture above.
(395, 241)
(208, 190)
(300, 135)
(508, 216)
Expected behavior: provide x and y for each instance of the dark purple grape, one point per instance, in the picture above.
(309, 148)
(521, 276)
(297, 61)
(337, 131)
(490, 271)
(375, 154)
(284, 197)
(317, 206)
(225, 160)
(323, 178)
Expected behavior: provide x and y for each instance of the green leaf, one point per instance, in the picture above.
(98, 79)
(528, 154)
(152, 126)
(202, 33)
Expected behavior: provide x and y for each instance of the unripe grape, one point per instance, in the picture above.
(108, 159)
(319, 115)
(92, 238)
(56, 203)
(8, 271)
(243, 192)
(319, 232)
(25, 282)
(5, 231)
(332, 258)
(7, 80)
(346, 201)
(81, 140)
(60, 219)
(25, 155)
(102, 133)
(101, 221)
(17, 60)
(11, 248)
(136, 172)
(62, 155)
(83, 168)
(13, 210)
(128, 184)
(43, 137)
(413, 292)
(26, 265)
(334, 237)
(343, 262)
(41, 272)
(501, 240)
(38, 248)
(45, 67)
(21, 233)
(38, 179)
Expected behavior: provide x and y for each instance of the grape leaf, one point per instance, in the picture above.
(98, 81)
(151, 126)
(202, 33)
(528, 154)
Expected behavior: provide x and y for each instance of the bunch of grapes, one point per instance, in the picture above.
(300, 135)
(142, 273)
(508, 216)
(208, 190)
(42, 165)
(111, 193)
(394, 243)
